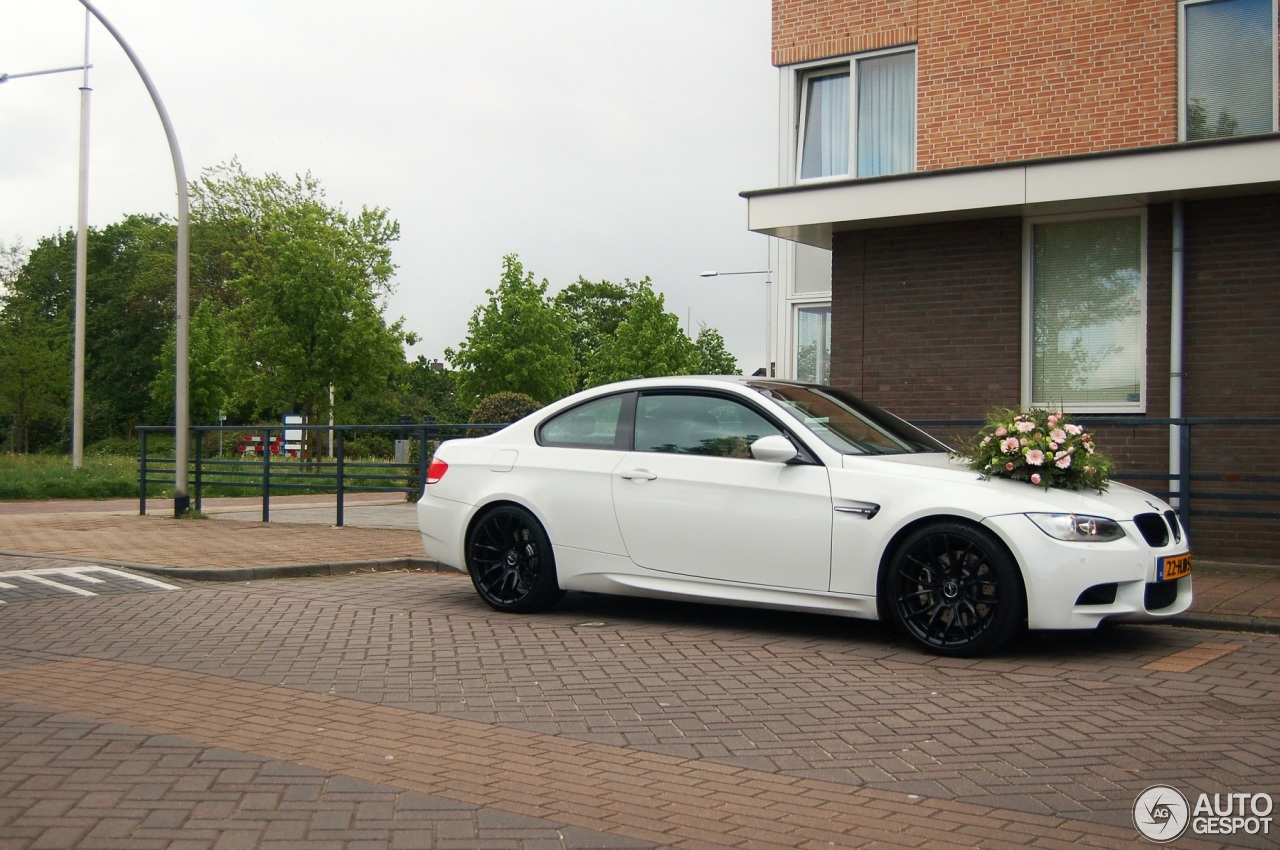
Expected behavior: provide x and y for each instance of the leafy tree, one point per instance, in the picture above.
(713, 357)
(649, 342)
(35, 377)
(129, 296)
(517, 342)
(428, 390)
(211, 367)
(303, 294)
(595, 309)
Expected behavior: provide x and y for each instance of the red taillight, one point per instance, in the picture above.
(436, 471)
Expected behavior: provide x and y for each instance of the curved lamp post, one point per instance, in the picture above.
(182, 416)
(768, 313)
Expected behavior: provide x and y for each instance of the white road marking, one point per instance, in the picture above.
(39, 579)
(45, 577)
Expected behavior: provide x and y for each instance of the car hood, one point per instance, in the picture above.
(996, 496)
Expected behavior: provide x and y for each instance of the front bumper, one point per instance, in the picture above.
(1080, 585)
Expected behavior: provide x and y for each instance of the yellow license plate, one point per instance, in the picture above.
(1171, 567)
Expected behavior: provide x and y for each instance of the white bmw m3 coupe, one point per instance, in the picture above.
(769, 493)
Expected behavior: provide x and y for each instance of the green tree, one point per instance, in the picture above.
(303, 293)
(516, 342)
(211, 367)
(594, 309)
(34, 377)
(130, 283)
(713, 357)
(649, 342)
(429, 390)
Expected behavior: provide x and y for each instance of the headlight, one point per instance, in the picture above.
(1078, 528)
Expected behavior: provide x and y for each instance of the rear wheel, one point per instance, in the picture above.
(510, 561)
(955, 590)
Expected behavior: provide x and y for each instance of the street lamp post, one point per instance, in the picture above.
(768, 312)
(82, 250)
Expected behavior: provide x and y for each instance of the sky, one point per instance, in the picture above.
(604, 139)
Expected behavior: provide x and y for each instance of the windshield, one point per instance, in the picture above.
(846, 423)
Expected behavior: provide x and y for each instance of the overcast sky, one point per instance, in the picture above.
(606, 139)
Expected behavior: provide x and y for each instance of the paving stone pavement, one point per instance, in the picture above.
(395, 710)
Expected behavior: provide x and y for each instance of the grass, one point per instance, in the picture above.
(47, 476)
(51, 477)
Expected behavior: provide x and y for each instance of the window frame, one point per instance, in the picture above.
(846, 64)
(796, 307)
(1028, 313)
(622, 438)
(1183, 5)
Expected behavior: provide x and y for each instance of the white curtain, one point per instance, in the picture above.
(887, 114)
(825, 143)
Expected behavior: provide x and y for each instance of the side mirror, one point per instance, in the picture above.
(774, 449)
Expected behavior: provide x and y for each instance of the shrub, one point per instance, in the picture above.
(503, 409)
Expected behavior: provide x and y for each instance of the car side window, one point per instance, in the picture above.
(593, 425)
(698, 425)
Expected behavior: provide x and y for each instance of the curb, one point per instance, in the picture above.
(254, 573)
(1227, 623)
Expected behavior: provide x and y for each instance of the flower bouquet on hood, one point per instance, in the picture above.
(1040, 447)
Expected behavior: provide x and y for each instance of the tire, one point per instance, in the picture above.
(510, 561)
(955, 590)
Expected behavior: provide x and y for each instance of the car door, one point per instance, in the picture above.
(691, 501)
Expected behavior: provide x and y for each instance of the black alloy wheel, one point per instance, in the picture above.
(955, 590)
(510, 561)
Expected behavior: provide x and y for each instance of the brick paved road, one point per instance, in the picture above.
(394, 710)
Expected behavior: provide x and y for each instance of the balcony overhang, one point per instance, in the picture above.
(812, 212)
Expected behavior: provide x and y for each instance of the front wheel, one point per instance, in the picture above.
(510, 561)
(955, 590)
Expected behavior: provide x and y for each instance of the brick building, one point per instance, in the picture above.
(990, 203)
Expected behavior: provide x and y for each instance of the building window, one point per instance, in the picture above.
(1228, 68)
(862, 111)
(1085, 346)
(813, 344)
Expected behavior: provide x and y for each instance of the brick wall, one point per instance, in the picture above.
(1232, 362)
(935, 312)
(1007, 80)
(927, 322)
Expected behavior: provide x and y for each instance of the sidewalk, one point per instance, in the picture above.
(379, 533)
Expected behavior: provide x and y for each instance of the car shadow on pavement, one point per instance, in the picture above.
(1111, 641)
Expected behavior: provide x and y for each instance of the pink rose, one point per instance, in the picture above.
(1002, 431)
(1008, 467)
(1035, 478)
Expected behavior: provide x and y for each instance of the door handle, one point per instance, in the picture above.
(638, 475)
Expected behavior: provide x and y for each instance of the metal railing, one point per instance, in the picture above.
(264, 464)
(340, 475)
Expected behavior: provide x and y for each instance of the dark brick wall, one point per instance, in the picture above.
(927, 322)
